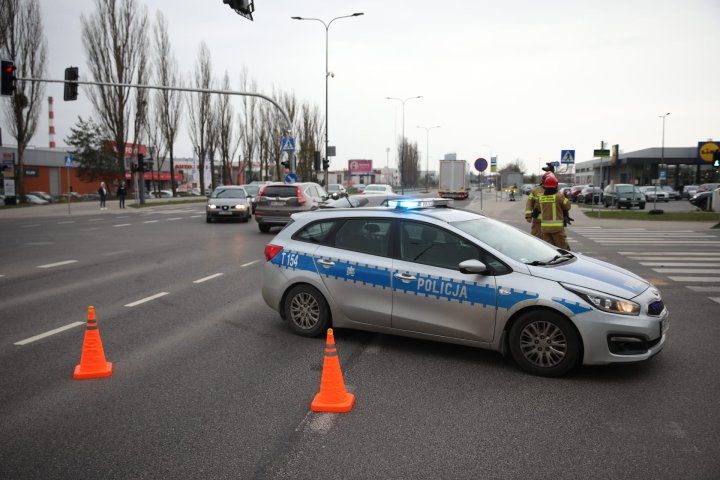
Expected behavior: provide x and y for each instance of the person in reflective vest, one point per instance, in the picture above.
(553, 206)
(533, 205)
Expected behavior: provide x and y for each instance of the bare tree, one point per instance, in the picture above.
(212, 143)
(153, 131)
(115, 39)
(169, 103)
(225, 127)
(410, 168)
(249, 125)
(308, 141)
(24, 42)
(200, 110)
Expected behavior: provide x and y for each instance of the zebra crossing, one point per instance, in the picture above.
(688, 257)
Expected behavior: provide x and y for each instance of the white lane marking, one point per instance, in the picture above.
(672, 259)
(200, 280)
(31, 225)
(123, 216)
(115, 253)
(51, 265)
(679, 264)
(687, 270)
(715, 299)
(675, 254)
(319, 423)
(2, 276)
(174, 218)
(96, 220)
(89, 229)
(704, 289)
(655, 242)
(47, 334)
(249, 263)
(122, 225)
(146, 299)
(66, 221)
(695, 279)
(40, 243)
(195, 216)
(150, 221)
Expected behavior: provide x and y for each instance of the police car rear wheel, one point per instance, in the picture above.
(544, 343)
(306, 311)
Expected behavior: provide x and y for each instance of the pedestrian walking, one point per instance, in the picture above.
(553, 206)
(102, 191)
(121, 194)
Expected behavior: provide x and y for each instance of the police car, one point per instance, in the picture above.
(422, 269)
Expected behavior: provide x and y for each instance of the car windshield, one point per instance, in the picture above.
(626, 189)
(228, 193)
(252, 189)
(509, 240)
(375, 188)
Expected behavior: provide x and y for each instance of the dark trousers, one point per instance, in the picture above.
(122, 201)
(102, 201)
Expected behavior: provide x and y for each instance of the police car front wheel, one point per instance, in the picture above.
(544, 343)
(306, 311)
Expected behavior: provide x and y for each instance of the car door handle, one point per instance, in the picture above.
(405, 277)
(326, 263)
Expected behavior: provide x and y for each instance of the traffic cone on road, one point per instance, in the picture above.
(92, 359)
(332, 396)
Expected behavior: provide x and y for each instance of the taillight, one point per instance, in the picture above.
(271, 250)
(301, 198)
(262, 191)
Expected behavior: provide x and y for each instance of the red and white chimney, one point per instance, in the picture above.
(51, 122)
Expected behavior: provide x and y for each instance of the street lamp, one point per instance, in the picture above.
(662, 156)
(427, 153)
(327, 75)
(402, 148)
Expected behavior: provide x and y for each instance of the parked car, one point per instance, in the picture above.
(375, 188)
(654, 193)
(336, 188)
(252, 190)
(575, 192)
(702, 199)
(564, 188)
(527, 188)
(590, 195)
(33, 199)
(228, 201)
(707, 187)
(689, 190)
(162, 194)
(277, 201)
(672, 193)
(44, 195)
(623, 195)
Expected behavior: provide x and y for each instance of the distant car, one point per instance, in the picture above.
(527, 188)
(707, 187)
(689, 190)
(575, 192)
(277, 201)
(162, 194)
(623, 195)
(228, 201)
(702, 199)
(252, 190)
(654, 193)
(564, 188)
(375, 188)
(35, 200)
(672, 193)
(336, 188)
(44, 195)
(590, 195)
(363, 201)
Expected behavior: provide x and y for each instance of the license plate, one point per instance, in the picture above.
(225, 213)
(277, 204)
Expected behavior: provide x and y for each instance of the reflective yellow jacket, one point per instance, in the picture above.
(532, 201)
(551, 212)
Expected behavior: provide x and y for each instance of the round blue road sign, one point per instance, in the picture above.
(481, 164)
(291, 178)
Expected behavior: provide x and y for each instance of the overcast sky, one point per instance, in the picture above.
(516, 79)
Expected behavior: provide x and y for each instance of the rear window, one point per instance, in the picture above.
(317, 232)
(280, 191)
(369, 236)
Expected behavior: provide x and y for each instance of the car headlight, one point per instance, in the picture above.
(212, 206)
(241, 206)
(607, 303)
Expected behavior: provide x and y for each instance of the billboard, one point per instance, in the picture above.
(360, 166)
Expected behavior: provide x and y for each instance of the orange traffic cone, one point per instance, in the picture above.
(92, 360)
(332, 397)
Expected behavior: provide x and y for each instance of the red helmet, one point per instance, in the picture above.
(551, 181)
(544, 176)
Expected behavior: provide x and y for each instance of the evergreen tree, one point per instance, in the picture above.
(90, 151)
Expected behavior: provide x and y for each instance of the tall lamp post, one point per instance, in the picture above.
(662, 156)
(427, 153)
(327, 75)
(402, 148)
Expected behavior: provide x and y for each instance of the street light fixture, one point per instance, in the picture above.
(402, 148)
(328, 74)
(427, 153)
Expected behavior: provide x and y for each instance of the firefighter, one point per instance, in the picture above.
(553, 206)
(532, 206)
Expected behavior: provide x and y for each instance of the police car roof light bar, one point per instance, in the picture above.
(418, 203)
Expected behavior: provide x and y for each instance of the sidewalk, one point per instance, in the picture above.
(90, 208)
(514, 212)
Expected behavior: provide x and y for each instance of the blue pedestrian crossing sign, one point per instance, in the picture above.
(287, 144)
(291, 178)
(68, 161)
(567, 156)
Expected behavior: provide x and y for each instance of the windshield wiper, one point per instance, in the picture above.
(556, 259)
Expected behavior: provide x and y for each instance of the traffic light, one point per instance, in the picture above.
(716, 158)
(316, 161)
(71, 87)
(326, 164)
(133, 167)
(141, 162)
(8, 81)
(242, 7)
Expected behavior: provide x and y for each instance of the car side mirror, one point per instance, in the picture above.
(473, 266)
(334, 196)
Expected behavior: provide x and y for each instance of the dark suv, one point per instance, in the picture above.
(277, 201)
(623, 195)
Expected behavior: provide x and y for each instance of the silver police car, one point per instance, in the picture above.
(421, 269)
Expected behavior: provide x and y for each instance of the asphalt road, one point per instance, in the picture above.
(209, 382)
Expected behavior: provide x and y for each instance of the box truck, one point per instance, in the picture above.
(454, 179)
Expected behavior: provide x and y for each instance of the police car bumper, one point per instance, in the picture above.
(613, 338)
(273, 285)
